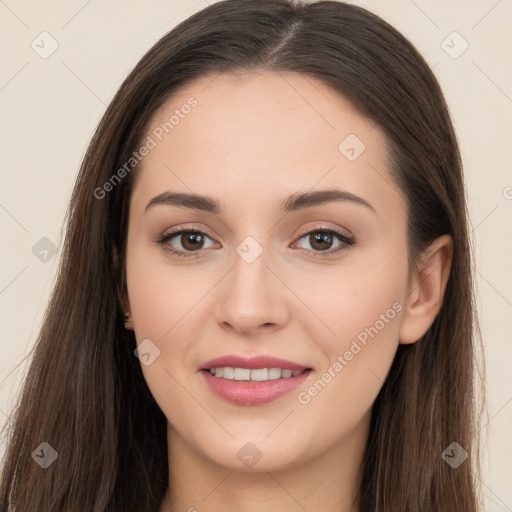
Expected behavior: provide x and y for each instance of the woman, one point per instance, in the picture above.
(265, 299)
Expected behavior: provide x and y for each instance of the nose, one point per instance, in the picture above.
(252, 298)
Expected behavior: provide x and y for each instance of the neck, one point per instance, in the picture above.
(328, 483)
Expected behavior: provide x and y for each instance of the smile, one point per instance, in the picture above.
(240, 386)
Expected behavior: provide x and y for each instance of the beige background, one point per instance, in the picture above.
(49, 108)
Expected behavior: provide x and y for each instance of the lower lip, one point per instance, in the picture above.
(250, 392)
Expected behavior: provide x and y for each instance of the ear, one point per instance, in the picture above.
(121, 291)
(426, 289)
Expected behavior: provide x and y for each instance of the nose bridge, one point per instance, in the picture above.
(251, 295)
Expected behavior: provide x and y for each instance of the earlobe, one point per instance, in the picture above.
(426, 290)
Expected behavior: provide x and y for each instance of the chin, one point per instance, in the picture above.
(254, 454)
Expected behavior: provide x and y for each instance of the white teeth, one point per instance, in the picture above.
(228, 373)
(258, 374)
(242, 374)
(274, 373)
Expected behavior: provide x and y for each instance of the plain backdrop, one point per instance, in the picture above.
(50, 105)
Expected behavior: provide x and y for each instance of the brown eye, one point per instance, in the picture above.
(185, 242)
(191, 241)
(320, 241)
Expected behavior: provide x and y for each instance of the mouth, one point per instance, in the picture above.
(253, 386)
(252, 381)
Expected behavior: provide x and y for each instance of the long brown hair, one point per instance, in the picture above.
(85, 394)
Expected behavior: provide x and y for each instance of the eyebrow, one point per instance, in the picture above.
(298, 201)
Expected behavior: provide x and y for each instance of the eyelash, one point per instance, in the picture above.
(347, 241)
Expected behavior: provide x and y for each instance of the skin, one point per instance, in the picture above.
(251, 142)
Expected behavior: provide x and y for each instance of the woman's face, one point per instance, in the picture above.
(264, 276)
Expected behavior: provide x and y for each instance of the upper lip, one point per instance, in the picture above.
(263, 361)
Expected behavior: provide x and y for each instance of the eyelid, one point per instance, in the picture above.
(176, 231)
(325, 227)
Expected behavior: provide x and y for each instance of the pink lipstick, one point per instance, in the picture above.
(253, 381)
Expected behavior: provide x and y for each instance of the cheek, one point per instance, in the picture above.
(368, 290)
(157, 304)
(162, 298)
(356, 362)
(361, 307)
(162, 304)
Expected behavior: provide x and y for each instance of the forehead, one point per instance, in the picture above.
(266, 133)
